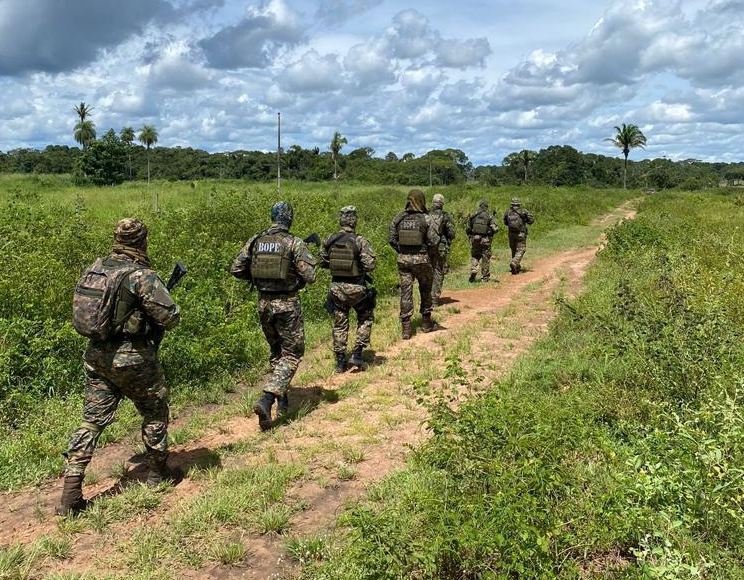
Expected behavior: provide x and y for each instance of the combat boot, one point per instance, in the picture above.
(341, 365)
(262, 408)
(514, 269)
(356, 359)
(406, 328)
(160, 473)
(472, 277)
(427, 324)
(282, 407)
(72, 502)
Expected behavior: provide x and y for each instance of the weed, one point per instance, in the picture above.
(229, 552)
(274, 518)
(346, 472)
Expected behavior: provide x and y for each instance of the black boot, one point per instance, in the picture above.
(406, 329)
(282, 407)
(72, 502)
(356, 359)
(160, 472)
(427, 324)
(341, 362)
(514, 269)
(262, 408)
(472, 278)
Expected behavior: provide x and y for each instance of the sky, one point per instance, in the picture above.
(485, 76)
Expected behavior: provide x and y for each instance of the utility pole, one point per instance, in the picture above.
(279, 153)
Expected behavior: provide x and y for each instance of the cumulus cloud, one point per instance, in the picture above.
(313, 73)
(453, 53)
(255, 40)
(335, 12)
(175, 70)
(370, 64)
(54, 36)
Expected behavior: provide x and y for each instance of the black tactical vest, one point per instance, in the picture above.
(272, 269)
(343, 256)
(412, 231)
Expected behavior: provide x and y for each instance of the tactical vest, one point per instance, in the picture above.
(96, 299)
(481, 225)
(271, 263)
(412, 233)
(343, 256)
(514, 221)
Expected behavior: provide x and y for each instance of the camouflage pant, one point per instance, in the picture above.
(480, 255)
(407, 275)
(518, 245)
(344, 297)
(282, 324)
(144, 384)
(439, 266)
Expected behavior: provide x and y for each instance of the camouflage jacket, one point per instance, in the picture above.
(492, 225)
(444, 226)
(366, 254)
(432, 241)
(303, 262)
(527, 218)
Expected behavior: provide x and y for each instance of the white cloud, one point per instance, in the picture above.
(313, 73)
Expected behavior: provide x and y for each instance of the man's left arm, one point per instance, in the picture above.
(304, 262)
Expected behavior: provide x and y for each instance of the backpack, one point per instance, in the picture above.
(412, 231)
(481, 224)
(95, 300)
(343, 256)
(270, 258)
(514, 221)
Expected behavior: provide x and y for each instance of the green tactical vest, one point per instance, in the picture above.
(481, 224)
(271, 263)
(343, 256)
(412, 233)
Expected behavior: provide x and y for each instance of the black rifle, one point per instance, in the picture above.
(179, 271)
(313, 238)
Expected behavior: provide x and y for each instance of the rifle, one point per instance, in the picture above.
(179, 271)
(313, 238)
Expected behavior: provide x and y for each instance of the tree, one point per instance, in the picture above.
(526, 157)
(336, 144)
(626, 138)
(83, 111)
(103, 162)
(127, 138)
(148, 137)
(391, 157)
(85, 129)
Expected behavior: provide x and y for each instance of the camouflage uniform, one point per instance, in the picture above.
(279, 308)
(127, 364)
(480, 243)
(413, 262)
(518, 238)
(346, 293)
(444, 225)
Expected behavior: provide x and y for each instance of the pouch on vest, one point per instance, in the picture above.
(481, 224)
(95, 300)
(411, 231)
(271, 258)
(514, 221)
(343, 258)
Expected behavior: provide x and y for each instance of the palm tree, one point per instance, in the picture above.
(336, 144)
(85, 132)
(526, 157)
(148, 137)
(127, 137)
(83, 111)
(626, 138)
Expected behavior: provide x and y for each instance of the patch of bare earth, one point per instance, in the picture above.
(346, 444)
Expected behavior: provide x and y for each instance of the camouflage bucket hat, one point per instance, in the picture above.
(282, 213)
(348, 216)
(438, 200)
(515, 201)
(130, 232)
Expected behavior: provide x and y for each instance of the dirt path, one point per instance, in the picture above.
(344, 445)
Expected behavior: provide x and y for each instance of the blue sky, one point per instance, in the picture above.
(488, 77)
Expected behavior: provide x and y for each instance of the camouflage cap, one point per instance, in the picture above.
(348, 216)
(515, 201)
(282, 213)
(483, 204)
(438, 199)
(130, 232)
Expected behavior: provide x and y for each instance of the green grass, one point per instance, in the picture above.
(612, 450)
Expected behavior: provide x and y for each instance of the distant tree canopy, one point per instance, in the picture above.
(554, 166)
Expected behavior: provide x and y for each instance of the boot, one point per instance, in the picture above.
(72, 502)
(427, 324)
(341, 365)
(282, 407)
(514, 269)
(262, 408)
(160, 472)
(356, 359)
(472, 277)
(406, 326)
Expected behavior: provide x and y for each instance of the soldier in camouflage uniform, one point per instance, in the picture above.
(516, 219)
(444, 225)
(481, 229)
(350, 259)
(126, 365)
(414, 238)
(279, 264)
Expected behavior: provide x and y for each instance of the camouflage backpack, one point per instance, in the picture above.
(481, 224)
(96, 298)
(343, 256)
(514, 221)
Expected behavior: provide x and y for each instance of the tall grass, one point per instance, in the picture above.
(50, 231)
(614, 450)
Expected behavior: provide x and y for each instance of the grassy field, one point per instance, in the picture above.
(614, 449)
(50, 230)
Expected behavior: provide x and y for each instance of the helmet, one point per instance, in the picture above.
(348, 216)
(515, 201)
(282, 213)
